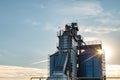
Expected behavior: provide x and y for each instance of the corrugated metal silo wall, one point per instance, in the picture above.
(52, 63)
(74, 63)
(57, 62)
(90, 65)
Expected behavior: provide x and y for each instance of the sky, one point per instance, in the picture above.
(28, 28)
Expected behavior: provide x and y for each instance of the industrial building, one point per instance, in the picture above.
(76, 59)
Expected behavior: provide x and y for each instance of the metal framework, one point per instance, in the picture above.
(73, 51)
(79, 78)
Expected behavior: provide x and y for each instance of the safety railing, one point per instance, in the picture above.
(78, 78)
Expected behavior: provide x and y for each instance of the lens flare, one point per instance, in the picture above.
(107, 52)
(100, 51)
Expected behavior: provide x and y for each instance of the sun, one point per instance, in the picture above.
(107, 52)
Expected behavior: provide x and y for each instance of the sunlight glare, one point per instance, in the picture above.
(100, 51)
(107, 52)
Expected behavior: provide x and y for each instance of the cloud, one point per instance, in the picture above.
(98, 29)
(33, 22)
(90, 38)
(6, 52)
(39, 6)
(108, 21)
(81, 8)
(113, 70)
(39, 62)
(101, 22)
(50, 27)
(18, 73)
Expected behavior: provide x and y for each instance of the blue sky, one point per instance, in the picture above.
(28, 28)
